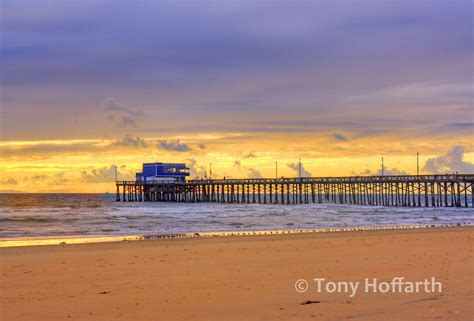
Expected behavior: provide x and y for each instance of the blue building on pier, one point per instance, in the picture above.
(162, 172)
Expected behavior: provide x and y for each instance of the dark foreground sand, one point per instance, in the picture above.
(240, 278)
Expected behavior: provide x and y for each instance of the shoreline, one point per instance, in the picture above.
(75, 239)
(241, 277)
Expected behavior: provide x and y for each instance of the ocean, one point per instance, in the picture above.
(36, 216)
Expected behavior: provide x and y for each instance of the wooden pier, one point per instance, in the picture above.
(412, 191)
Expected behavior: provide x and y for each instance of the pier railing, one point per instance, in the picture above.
(404, 190)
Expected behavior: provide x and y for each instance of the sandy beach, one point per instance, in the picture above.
(240, 278)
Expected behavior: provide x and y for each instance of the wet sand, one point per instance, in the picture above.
(240, 278)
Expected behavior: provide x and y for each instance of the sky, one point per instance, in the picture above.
(87, 86)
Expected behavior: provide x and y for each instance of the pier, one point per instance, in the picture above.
(455, 190)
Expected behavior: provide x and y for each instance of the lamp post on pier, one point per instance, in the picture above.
(299, 168)
(417, 164)
(383, 169)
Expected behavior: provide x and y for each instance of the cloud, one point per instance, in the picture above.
(43, 149)
(130, 141)
(417, 94)
(173, 145)
(250, 155)
(237, 164)
(9, 181)
(386, 172)
(46, 180)
(391, 171)
(339, 137)
(121, 115)
(460, 126)
(253, 173)
(106, 174)
(250, 172)
(101, 175)
(295, 167)
(450, 162)
(195, 171)
(36, 180)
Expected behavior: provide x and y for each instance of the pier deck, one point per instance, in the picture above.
(454, 190)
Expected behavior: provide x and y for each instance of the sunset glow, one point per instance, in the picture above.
(217, 83)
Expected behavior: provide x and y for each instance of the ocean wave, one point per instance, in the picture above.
(94, 206)
(38, 219)
(92, 214)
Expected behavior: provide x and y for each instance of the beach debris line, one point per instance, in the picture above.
(82, 240)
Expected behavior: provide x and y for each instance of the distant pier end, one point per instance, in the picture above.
(156, 173)
(166, 182)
